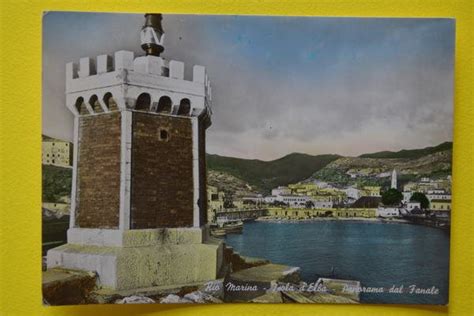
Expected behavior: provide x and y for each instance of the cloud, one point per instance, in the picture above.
(283, 84)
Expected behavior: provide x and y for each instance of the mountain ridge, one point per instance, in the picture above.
(296, 167)
(410, 153)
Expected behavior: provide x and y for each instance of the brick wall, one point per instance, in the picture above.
(98, 183)
(162, 172)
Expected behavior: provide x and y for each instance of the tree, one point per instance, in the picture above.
(422, 199)
(392, 197)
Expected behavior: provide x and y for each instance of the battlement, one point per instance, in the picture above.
(90, 80)
(125, 60)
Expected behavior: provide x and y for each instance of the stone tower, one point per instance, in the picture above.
(394, 179)
(138, 210)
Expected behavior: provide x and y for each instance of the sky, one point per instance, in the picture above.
(280, 85)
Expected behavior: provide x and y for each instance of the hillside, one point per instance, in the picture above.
(265, 175)
(229, 184)
(376, 171)
(56, 183)
(245, 176)
(410, 153)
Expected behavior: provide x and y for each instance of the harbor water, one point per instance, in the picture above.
(379, 255)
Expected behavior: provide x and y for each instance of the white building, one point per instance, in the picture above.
(387, 212)
(412, 205)
(269, 199)
(257, 198)
(281, 191)
(406, 196)
(322, 204)
(321, 184)
(352, 193)
(438, 195)
(298, 201)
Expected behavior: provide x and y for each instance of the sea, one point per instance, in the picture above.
(410, 258)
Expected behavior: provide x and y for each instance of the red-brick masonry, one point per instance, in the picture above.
(162, 171)
(98, 174)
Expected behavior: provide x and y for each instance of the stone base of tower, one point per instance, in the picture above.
(145, 258)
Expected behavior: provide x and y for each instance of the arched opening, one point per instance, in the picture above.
(110, 102)
(164, 105)
(94, 103)
(143, 102)
(81, 106)
(184, 107)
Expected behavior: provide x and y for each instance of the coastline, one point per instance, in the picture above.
(272, 219)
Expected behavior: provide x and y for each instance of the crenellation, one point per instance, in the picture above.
(199, 74)
(86, 67)
(71, 71)
(104, 64)
(176, 69)
(123, 60)
(125, 78)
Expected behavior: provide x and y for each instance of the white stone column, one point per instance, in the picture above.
(125, 169)
(195, 131)
(72, 211)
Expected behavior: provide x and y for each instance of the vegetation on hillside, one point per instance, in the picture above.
(56, 183)
(265, 175)
(410, 153)
(377, 171)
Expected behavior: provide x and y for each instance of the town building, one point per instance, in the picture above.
(269, 199)
(281, 190)
(438, 194)
(388, 211)
(406, 196)
(298, 201)
(139, 198)
(355, 212)
(298, 213)
(256, 199)
(440, 205)
(56, 152)
(59, 208)
(215, 202)
(369, 190)
(352, 193)
(410, 206)
(367, 202)
(322, 204)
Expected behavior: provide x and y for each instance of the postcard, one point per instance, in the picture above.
(256, 159)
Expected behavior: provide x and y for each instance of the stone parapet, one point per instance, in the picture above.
(136, 237)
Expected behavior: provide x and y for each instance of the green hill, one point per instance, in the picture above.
(265, 175)
(56, 183)
(410, 153)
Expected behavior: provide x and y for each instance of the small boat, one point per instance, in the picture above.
(230, 226)
(218, 232)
